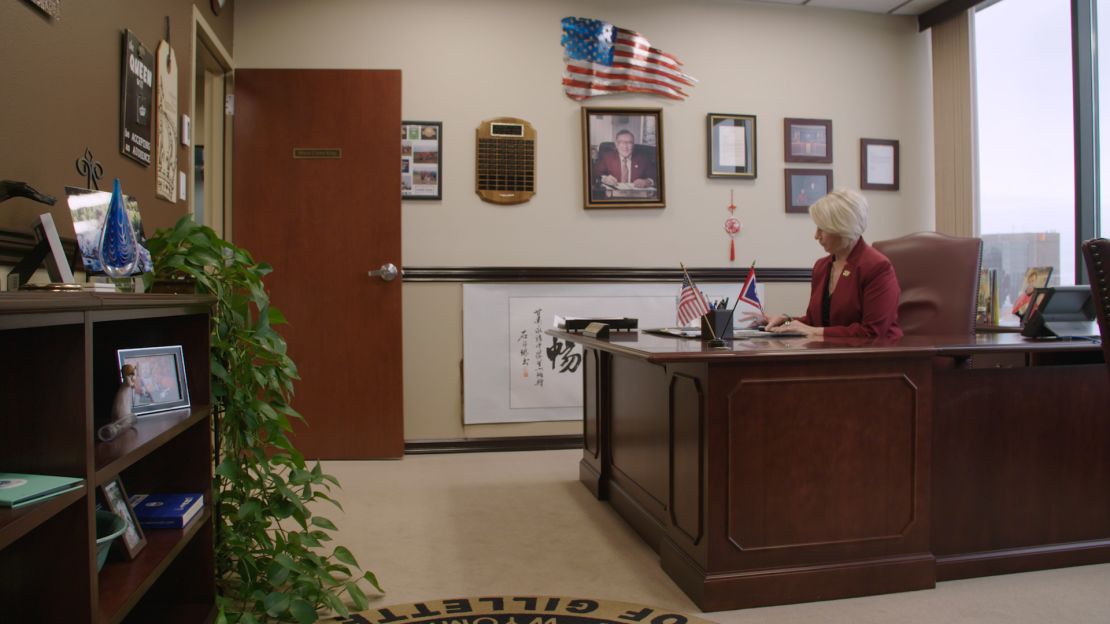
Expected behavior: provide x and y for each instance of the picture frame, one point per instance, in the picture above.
(115, 499)
(730, 146)
(622, 158)
(878, 164)
(422, 160)
(160, 382)
(807, 140)
(805, 186)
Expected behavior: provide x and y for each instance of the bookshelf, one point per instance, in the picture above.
(58, 376)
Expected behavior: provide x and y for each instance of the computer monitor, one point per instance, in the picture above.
(1061, 312)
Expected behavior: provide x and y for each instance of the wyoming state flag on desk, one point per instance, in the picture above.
(748, 293)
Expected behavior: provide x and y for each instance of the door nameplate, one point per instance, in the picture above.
(317, 152)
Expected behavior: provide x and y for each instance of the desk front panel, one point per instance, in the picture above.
(1021, 467)
(818, 462)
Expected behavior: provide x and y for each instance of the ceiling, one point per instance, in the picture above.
(892, 7)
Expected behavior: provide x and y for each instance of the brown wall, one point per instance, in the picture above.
(60, 93)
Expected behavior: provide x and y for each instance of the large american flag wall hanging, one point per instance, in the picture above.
(603, 59)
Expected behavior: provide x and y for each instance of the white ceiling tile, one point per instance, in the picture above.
(794, 2)
(917, 7)
(871, 6)
(896, 7)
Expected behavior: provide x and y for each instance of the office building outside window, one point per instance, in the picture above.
(1103, 30)
(1026, 162)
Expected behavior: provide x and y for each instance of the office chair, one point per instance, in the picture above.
(939, 278)
(1096, 252)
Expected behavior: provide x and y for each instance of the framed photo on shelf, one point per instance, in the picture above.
(622, 158)
(421, 160)
(805, 186)
(878, 164)
(160, 382)
(807, 140)
(115, 500)
(731, 146)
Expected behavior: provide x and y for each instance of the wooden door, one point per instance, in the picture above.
(316, 193)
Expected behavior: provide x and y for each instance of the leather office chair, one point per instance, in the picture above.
(1096, 252)
(939, 278)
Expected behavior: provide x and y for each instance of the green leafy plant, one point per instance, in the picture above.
(271, 563)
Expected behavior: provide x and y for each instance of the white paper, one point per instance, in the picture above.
(730, 146)
(514, 372)
(880, 164)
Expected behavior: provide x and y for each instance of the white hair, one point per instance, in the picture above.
(842, 212)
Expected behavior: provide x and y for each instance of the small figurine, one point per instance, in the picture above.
(122, 416)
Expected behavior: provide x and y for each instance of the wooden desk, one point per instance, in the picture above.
(783, 470)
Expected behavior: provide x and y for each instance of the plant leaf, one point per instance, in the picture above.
(303, 611)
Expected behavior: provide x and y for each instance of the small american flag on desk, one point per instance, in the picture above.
(691, 302)
(603, 59)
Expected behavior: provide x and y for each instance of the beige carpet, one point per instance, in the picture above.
(488, 609)
(483, 524)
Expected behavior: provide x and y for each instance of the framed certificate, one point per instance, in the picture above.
(730, 144)
(878, 165)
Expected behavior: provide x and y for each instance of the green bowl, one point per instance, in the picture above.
(109, 526)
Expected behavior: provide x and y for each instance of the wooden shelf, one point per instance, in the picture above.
(123, 583)
(178, 614)
(62, 363)
(149, 434)
(15, 523)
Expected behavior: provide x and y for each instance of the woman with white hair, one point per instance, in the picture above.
(854, 289)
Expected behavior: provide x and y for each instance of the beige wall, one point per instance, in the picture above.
(61, 94)
(463, 62)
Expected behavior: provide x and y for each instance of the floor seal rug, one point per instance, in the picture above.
(520, 610)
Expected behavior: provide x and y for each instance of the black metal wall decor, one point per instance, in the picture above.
(91, 169)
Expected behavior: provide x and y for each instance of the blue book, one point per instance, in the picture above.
(18, 489)
(166, 511)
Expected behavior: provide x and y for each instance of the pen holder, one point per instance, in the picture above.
(721, 322)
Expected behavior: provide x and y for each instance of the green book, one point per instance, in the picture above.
(17, 490)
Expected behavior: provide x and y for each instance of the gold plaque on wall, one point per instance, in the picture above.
(506, 161)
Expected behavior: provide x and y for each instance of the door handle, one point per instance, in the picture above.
(388, 272)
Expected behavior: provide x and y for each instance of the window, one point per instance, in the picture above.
(1103, 29)
(1026, 162)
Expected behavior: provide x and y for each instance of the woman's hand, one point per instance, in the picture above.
(777, 321)
(754, 319)
(795, 327)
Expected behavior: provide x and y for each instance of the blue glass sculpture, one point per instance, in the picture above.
(118, 251)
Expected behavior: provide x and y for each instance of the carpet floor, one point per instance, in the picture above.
(520, 524)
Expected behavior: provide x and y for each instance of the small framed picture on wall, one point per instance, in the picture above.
(421, 160)
(878, 164)
(805, 186)
(807, 140)
(731, 146)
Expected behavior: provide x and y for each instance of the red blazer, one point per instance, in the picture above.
(865, 302)
(610, 164)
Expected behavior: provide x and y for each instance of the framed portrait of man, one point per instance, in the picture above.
(623, 157)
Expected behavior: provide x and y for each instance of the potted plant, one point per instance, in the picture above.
(272, 562)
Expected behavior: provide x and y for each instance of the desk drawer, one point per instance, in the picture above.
(997, 360)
